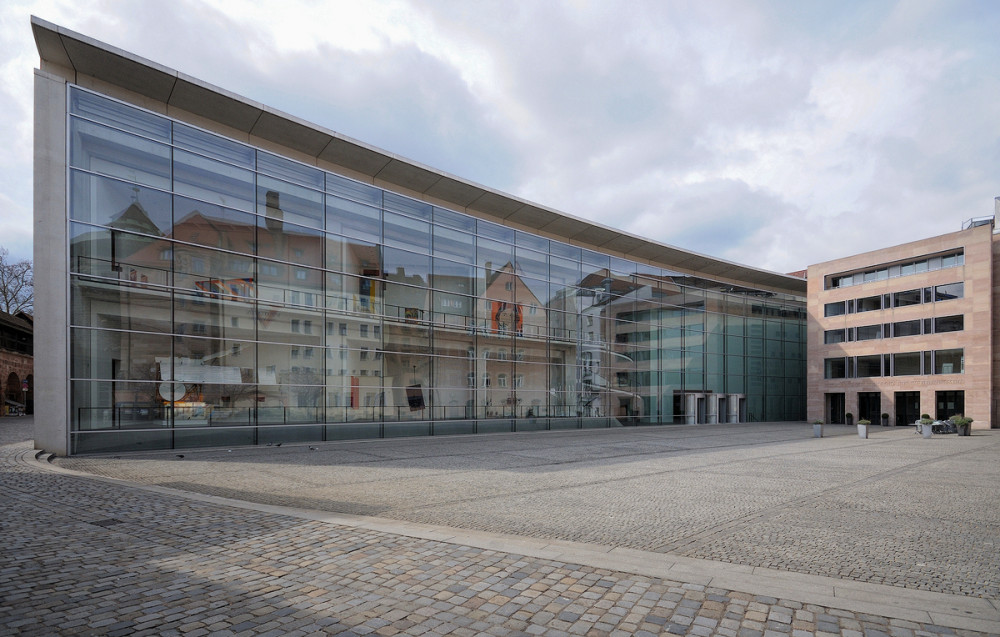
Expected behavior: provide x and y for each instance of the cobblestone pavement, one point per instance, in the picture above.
(92, 556)
(894, 509)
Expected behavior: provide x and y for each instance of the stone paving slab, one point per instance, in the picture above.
(88, 555)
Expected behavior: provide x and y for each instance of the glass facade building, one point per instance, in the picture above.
(221, 293)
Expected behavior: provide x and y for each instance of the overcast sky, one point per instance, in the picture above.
(775, 134)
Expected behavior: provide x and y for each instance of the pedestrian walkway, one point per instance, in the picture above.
(418, 537)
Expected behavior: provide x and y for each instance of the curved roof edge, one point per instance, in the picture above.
(87, 56)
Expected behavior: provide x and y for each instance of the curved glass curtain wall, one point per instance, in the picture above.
(223, 295)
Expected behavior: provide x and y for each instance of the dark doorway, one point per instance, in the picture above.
(870, 406)
(907, 408)
(835, 409)
(950, 403)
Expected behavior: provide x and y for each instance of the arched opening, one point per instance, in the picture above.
(12, 403)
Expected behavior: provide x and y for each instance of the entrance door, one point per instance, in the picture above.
(950, 403)
(907, 408)
(870, 406)
(835, 409)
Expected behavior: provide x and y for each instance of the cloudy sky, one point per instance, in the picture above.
(775, 134)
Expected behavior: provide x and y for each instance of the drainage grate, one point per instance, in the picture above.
(106, 523)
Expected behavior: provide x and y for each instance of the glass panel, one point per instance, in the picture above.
(213, 181)
(531, 241)
(290, 170)
(834, 309)
(354, 220)
(457, 220)
(201, 361)
(909, 297)
(494, 231)
(289, 325)
(218, 317)
(213, 273)
(454, 277)
(532, 264)
(906, 364)
(949, 323)
(288, 202)
(352, 256)
(564, 250)
(835, 368)
(833, 336)
(120, 355)
(119, 205)
(407, 206)
(869, 366)
(350, 189)
(869, 303)
(354, 294)
(112, 305)
(949, 361)
(284, 284)
(118, 115)
(128, 257)
(118, 405)
(213, 145)
(110, 152)
(454, 244)
(906, 328)
(949, 291)
(869, 332)
(214, 226)
(286, 242)
(407, 233)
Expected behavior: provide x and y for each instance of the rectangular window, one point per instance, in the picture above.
(869, 303)
(833, 336)
(949, 324)
(905, 298)
(906, 328)
(834, 309)
(949, 291)
(906, 364)
(835, 368)
(869, 332)
(949, 361)
(869, 366)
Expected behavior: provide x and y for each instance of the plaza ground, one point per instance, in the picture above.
(741, 530)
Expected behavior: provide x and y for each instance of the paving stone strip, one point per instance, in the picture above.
(92, 556)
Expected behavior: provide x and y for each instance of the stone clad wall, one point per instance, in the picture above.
(20, 364)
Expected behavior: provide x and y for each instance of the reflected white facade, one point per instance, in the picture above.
(227, 288)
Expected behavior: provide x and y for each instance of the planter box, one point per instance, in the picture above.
(862, 431)
(817, 431)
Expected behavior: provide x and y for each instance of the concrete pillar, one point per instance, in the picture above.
(51, 266)
(733, 407)
(691, 408)
(712, 409)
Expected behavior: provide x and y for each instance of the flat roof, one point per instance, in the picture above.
(87, 56)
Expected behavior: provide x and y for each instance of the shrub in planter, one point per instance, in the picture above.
(962, 424)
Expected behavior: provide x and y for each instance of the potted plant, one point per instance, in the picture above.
(817, 429)
(863, 427)
(885, 419)
(963, 425)
(850, 418)
(925, 425)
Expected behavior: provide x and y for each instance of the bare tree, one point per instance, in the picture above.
(17, 286)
